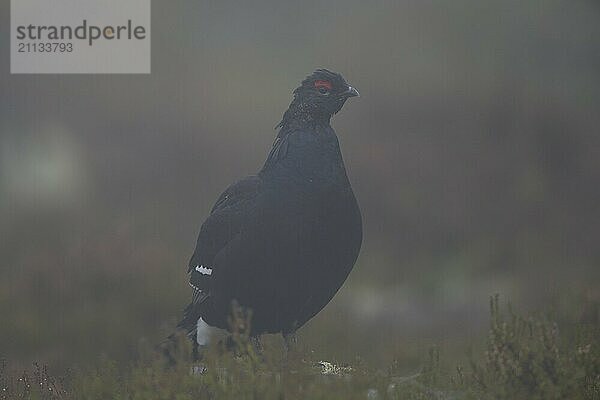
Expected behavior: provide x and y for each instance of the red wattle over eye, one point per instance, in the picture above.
(325, 84)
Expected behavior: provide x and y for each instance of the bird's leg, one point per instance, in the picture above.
(195, 346)
(198, 368)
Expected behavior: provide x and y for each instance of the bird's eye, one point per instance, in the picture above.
(323, 86)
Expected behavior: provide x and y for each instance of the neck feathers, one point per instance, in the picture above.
(301, 115)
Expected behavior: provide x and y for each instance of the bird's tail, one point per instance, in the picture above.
(188, 324)
(192, 326)
(192, 313)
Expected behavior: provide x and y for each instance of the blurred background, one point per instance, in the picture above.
(474, 151)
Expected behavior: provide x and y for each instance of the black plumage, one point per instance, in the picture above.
(282, 242)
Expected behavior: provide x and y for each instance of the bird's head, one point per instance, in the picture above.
(323, 93)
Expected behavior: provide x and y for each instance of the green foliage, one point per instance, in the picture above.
(36, 384)
(525, 358)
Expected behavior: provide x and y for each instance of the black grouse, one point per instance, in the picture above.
(282, 242)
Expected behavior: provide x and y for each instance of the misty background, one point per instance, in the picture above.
(474, 152)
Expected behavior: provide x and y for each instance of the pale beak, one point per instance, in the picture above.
(352, 92)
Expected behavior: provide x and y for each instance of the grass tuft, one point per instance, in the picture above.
(525, 357)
